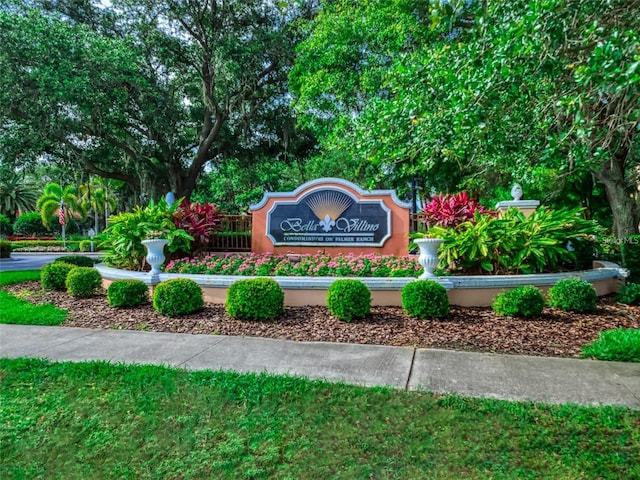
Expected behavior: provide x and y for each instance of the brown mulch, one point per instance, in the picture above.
(555, 333)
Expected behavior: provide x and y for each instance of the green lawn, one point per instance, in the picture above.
(17, 311)
(95, 420)
(9, 278)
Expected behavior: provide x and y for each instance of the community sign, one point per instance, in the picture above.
(328, 212)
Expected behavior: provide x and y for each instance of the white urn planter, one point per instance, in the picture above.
(155, 253)
(428, 258)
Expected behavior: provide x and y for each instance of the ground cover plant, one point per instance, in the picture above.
(154, 422)
(319, 264)
(621, 345)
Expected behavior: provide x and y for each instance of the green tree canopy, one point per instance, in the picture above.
(146, 92)
(542, 92)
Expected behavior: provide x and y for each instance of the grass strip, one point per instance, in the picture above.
(20, 312)
(99, 420)
(9, 278)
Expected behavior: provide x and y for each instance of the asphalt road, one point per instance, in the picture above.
(33, 261)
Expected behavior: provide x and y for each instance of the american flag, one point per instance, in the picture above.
(61, 215)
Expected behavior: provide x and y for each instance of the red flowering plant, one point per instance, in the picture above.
(199, 221)
(449, 211)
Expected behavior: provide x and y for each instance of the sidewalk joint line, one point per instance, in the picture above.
(181, 364)
(413, 360)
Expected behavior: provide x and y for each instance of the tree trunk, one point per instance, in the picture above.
(623, 205)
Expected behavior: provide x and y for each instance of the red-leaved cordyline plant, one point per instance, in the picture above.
(199, 221)
(451, 210)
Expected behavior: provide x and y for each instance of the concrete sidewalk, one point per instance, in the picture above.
(509, 377)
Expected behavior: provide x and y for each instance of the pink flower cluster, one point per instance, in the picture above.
(319, 264)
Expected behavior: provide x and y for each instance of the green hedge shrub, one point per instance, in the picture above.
(54, 275)
(127, 293)
(255, 299)
(42, 245)
(573, 295)
(30, 224)
(85, 245)
(78, 260)
(6, 228)
(629, 294)
(5, 249)
(425, 299)
(348, 299)
(630, 250)
(621, 345)
(83, 282)
(524, 301)
(178, 296)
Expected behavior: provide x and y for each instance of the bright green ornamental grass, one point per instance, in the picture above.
(621, 344)
(98, 420)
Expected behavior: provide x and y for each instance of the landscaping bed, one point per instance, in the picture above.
(555, 333)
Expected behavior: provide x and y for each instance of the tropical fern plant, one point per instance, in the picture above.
(54, 195)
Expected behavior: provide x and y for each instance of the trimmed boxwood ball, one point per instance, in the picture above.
(524, 301)
(255, 299)
(573, 295)
(127, 293)
(629, 294)
(178, 296)
(78, 260)
(425, 299)
(54, 275)
(348, 299)
(83, 282)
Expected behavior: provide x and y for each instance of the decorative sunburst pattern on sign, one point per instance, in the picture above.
(328, 206)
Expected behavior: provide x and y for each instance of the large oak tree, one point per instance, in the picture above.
(147, 92)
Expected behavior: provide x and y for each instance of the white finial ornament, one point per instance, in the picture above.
(516, 192)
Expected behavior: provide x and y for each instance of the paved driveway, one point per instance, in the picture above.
(33, 261)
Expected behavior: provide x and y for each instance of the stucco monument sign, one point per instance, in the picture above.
(332, 215)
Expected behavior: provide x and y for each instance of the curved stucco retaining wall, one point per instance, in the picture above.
(468, 291)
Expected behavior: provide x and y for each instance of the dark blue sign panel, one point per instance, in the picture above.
(330, 217)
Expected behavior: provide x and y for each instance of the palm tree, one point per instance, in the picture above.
(95, 196)
(53, 198)
(16, 195)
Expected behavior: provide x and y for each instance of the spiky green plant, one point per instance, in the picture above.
(17, 195)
